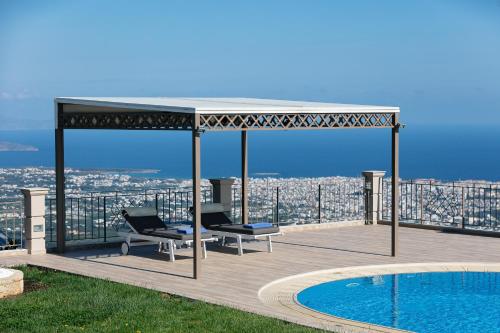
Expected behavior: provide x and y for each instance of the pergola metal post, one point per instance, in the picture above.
(395, 186)
(60, 200)
(244, 178)
(197, 246)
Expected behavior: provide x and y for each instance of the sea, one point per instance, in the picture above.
(446, 152)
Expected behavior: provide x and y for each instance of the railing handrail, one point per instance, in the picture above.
(442, 183)
(18, 200)
(110, 193)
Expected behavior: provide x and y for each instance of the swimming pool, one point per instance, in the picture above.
(421, 302)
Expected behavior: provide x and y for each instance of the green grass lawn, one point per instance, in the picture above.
(60, 302)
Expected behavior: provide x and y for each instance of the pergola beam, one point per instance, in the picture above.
(294, 121)
(127, 119)
(153, 120)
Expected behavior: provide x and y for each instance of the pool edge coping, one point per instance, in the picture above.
(281, 294)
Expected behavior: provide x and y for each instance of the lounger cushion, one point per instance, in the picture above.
(258, 225)
(172, 234)
(187, 230)
(239, 229)
(220, 222)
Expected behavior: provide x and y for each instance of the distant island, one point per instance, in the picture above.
(12, 146)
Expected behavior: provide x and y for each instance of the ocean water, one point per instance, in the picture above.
(455, 302)
(446, 152)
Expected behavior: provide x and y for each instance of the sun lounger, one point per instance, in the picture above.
(219, 224)
(145, 225)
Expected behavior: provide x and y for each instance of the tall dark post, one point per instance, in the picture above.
(60, 202)
(196, 198)
(244, 178)
(395, 187)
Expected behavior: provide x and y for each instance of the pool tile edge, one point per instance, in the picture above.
(281, 295)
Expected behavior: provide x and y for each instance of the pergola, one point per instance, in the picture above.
(216, 114)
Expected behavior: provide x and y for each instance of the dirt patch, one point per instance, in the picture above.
(33, 285)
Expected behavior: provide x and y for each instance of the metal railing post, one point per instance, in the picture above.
(421, 203)
(473, 203)
(463, 208)
(98, 216)
(51, 221)
(491, 216)
(169, 206)
(92, 214)
(453, 198)
(104, 215)
(319, 203)
(71, 217)
(278, 206)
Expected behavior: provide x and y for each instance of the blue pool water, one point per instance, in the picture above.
(423, 302)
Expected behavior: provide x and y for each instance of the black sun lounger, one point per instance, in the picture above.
(218, 223)
(145, 225)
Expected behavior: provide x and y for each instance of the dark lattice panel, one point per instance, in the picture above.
(128, 120)
(215, 122)
(294, 121)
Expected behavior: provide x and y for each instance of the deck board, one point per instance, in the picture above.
(232, 280)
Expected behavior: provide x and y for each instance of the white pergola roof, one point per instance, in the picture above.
(233, 105)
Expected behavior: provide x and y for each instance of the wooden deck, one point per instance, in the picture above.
(232, 280)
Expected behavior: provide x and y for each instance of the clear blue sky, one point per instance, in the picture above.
(437, 60)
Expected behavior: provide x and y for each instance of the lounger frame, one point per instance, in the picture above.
(165, 244)
(239, 237)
